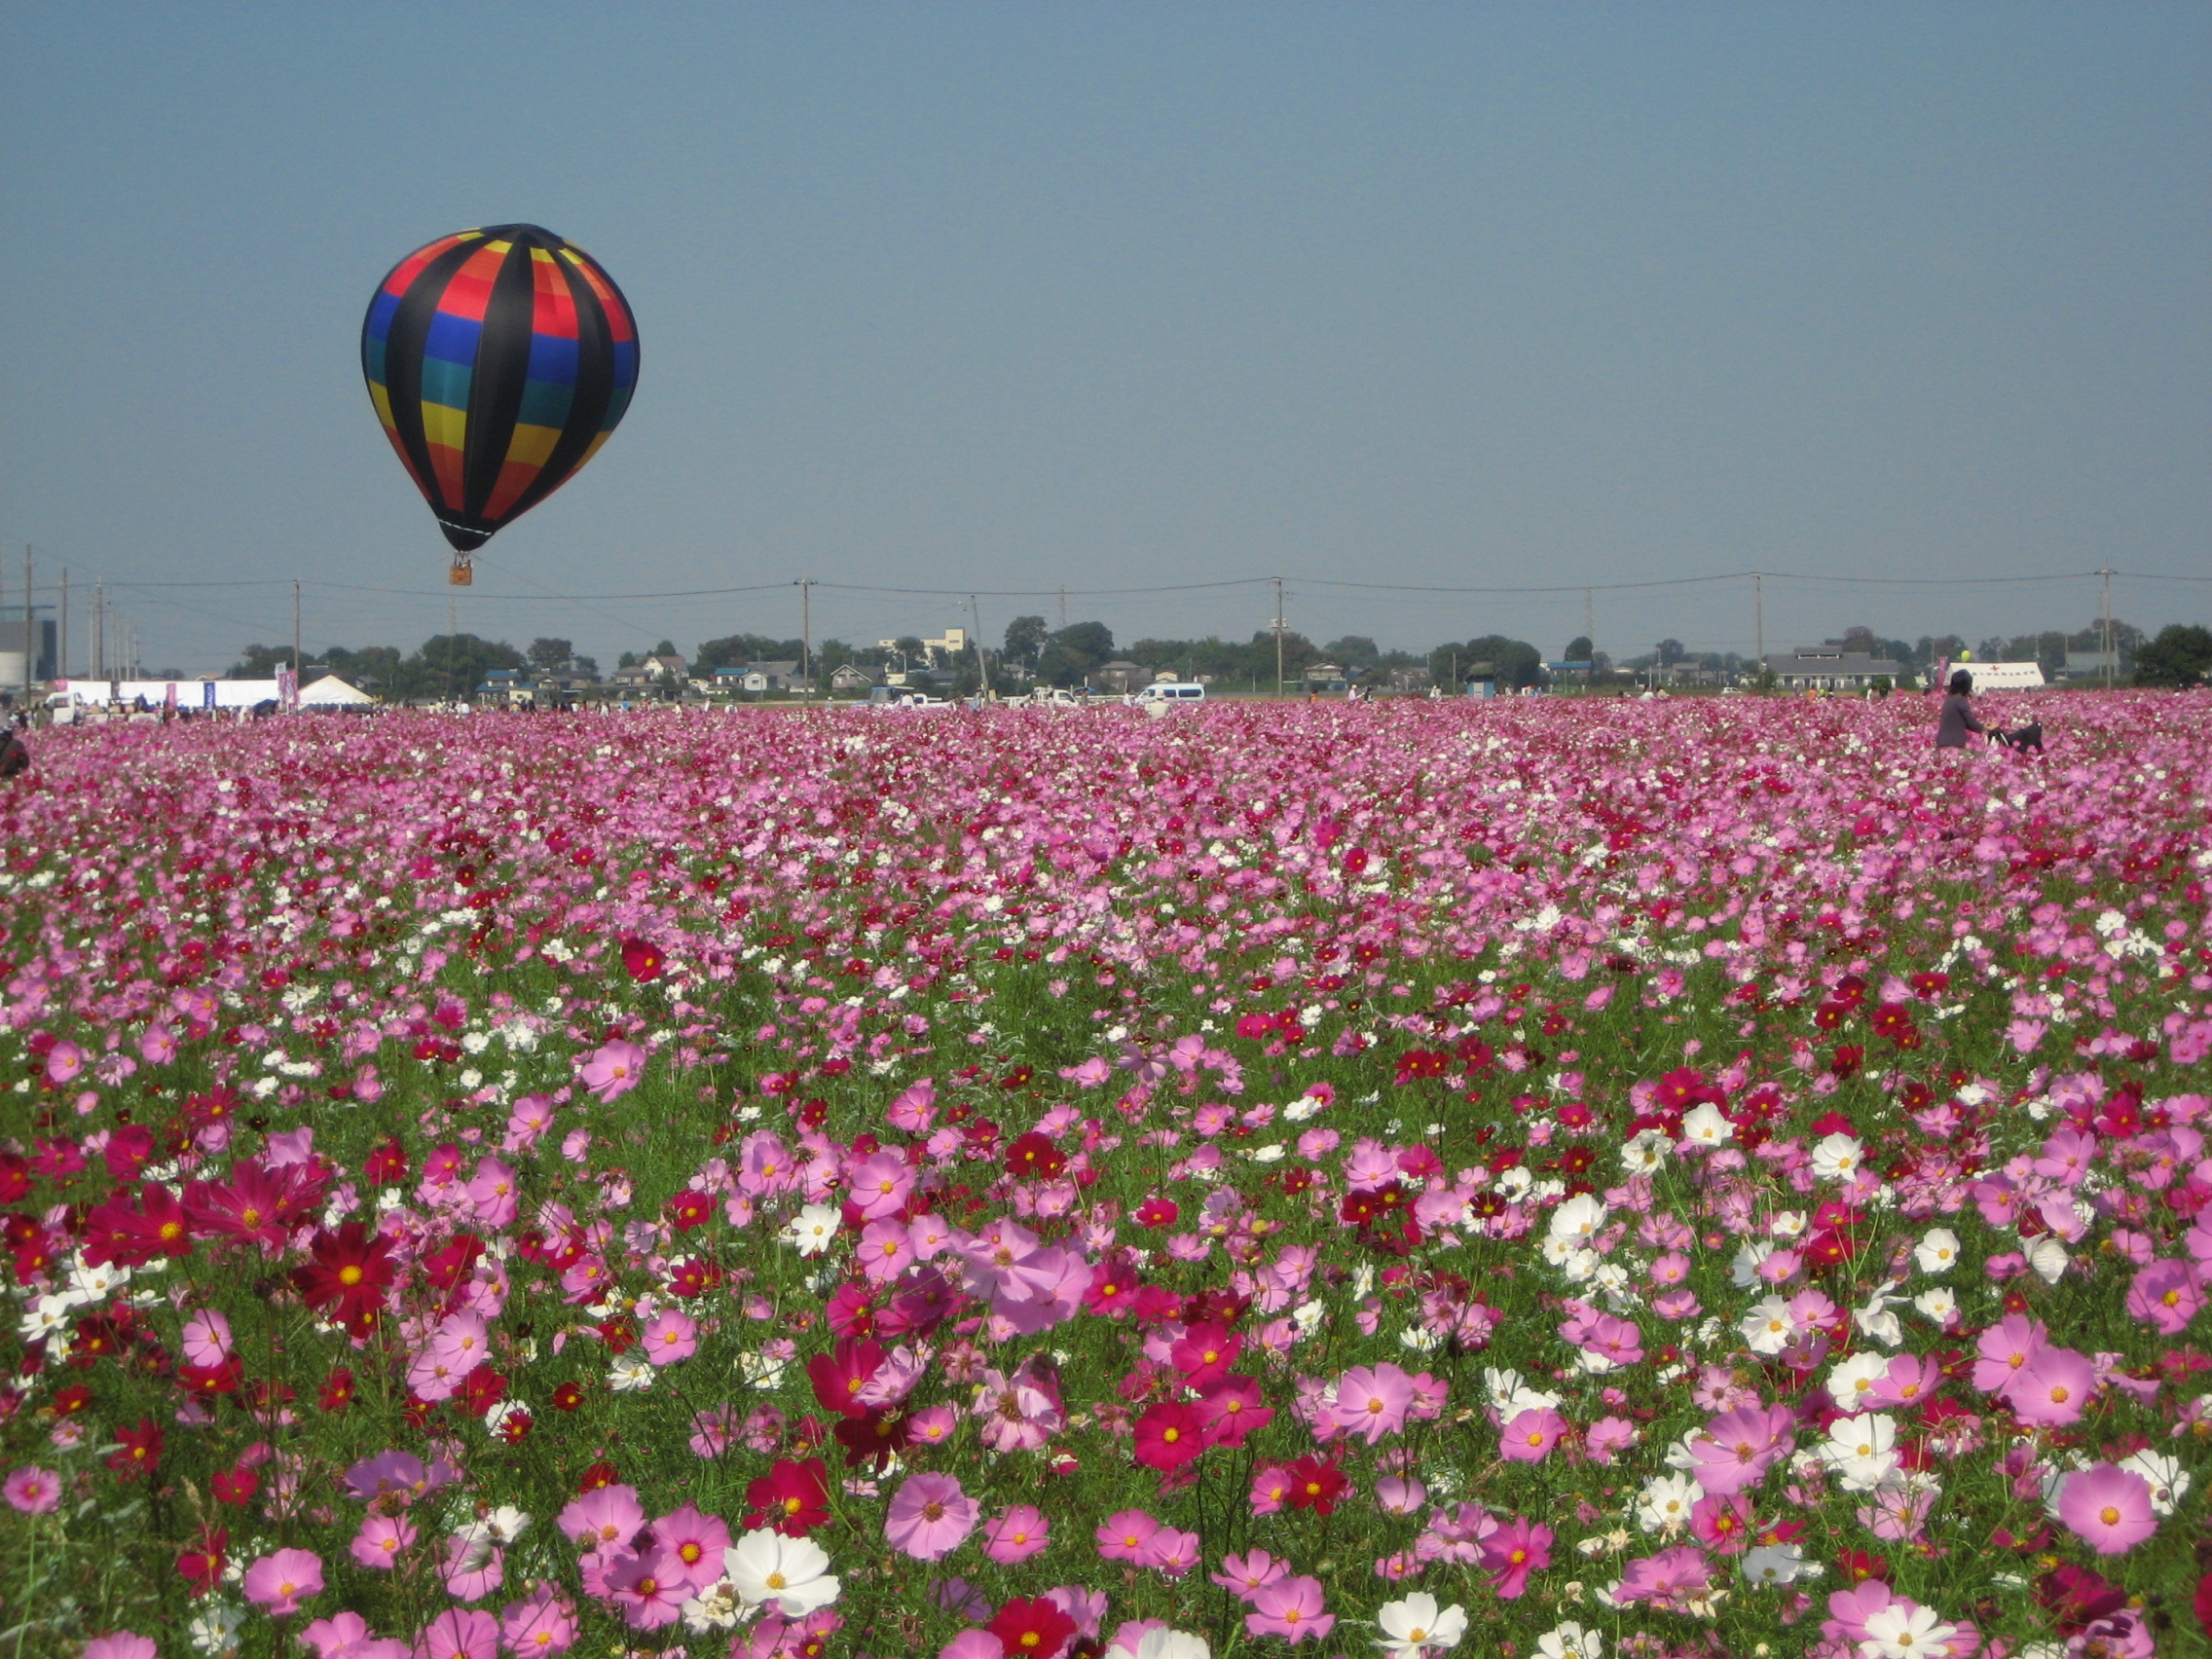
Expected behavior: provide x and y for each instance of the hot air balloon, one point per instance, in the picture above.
(498, 361)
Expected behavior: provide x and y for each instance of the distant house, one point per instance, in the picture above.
(1831, 667)
(759, 676)
(505, 685)
(1119, 678)
(1326, 677)
(851, 678)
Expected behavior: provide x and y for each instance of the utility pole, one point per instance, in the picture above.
(99, 628)
(806, 628)
(1063, 608)
(1278, 636)
(295, 636)
(1759, 608)
(2104, 615)
(61, 633)
(30, 623)
(983, 662)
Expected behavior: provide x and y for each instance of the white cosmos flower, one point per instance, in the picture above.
(1896, 1633)
(1938, 1304)
(1569, 1641)
(1768, 1327)
(812, 1229)
(1862, 1450)
(631, 1374)
(2170, 1481)
(1665, 1505)
(1837, 1157)
(1164, 1644)
(1776, 1564)
(716, 1608)
(1646, 1153)
(1851, 1381)
(792, 1573)
(1706, 1125)
(1937, 1252)
(1415, 1623)
(1580, 1218)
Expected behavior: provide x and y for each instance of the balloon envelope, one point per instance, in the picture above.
(498, 361)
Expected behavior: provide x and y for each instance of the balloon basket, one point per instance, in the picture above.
(462, 575)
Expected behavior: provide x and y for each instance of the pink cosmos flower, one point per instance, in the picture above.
(614, 1069)
(1170, 1552)
(1530, 1436)
(63, 1061)
(120, 1644)
(1514, 1551)
(670, 1337)
(471, 1568)
(1123, 1536)
(2054, 1388)
(649, 1590)
(207, 1337)
(540, 1626)
(278, 1582)
(377, 1545)
(2004, 1348)
(494, 1193)
(2108, 1508)
(2166, 1296)
(879, 1186)
(33, 1490)
(1668, 1579)
(1233, 1407)
(607, 1516)
(1372, 1401)
(973, 1644)
(347, 1635)
(930, 1517)
(458, 1633)
(1015, 1533)
(1738, 1446)
(694, 1544)
(1244, 1576)
(1290, 1608)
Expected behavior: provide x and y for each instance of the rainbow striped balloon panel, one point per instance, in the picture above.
(498, 361)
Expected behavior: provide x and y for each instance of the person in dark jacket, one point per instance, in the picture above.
(1957, 718)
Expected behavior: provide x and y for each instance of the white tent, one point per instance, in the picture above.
(332, 692)
(2001, 676)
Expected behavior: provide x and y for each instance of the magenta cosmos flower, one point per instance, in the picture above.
(929, 1516)
(1738, 1446)
(1530, 1436)
(458, 1633)
(1016, 1534)
(1372, 1401)
(2108, 1508)
(613, 1069)
(2165, 1295)
(33, 1490)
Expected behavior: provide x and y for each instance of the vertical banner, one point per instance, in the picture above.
(288, 687)
(206, 693)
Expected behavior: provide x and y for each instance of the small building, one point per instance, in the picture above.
(1326, 677)
(2000, 676)
(2091, 665)
(851, 679)
(1831, 667)
(1480, 679)
(1119, 678)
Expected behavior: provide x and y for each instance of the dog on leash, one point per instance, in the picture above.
(2028, 738)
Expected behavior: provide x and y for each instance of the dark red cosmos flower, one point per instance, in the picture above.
(1233, 1407)
(790, 1499)
(1421, 1062)
(1113, 1284)
(255, 1205)
(1031, 1630)
(1682, 1089)
(482, 1390)
(201, 1565)
(350, 1272)
(842, 1373)
(873, 1437)
(689, 1208)
(69, 1401)
(1205, 1352)
(568, 1397)
(644, 961)
(131, 1237)
(1169, 1435)
(139, 1451)
(388, 1163)
(236, 1484)
(600, 1475)
(1315, 1486)
(128, 1150)
(1157, 1212)
(515, 1426)
(209, 1379)
(1034, 1157)
(337, 1389)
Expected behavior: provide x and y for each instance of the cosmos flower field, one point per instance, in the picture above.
(1545, 1179)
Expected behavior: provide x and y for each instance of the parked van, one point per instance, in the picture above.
(1170, 693)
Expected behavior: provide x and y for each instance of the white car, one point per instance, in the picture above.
(1170, 693)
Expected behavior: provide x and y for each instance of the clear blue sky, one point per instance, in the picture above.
(1130, 295)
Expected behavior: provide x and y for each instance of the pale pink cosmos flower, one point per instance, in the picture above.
(2004, 1348)
(540, 1626)
(693, 1543)
(670, 1337)
(63, 1061)
(278, 1582)
(2108, 1508)
(347, 1635)
(1170, 1552)
(472, 1567)
(649, 1590)
(1530, 1436)
(1292, 1609)
(1245, 1575)
(458, 1633)
(33, 1490)
(614, 1070)
(1372, 1401)
(377, 1545)
(494, 1193)
(2166, 1296)
(1735, 1450)
(1122, 1536)
(1015, 1533)
(207, 1337)
(930, 1517)
(2054, 1388)
(120, 1644)
(606, 1516)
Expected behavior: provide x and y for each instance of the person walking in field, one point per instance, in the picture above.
(1957, 718)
